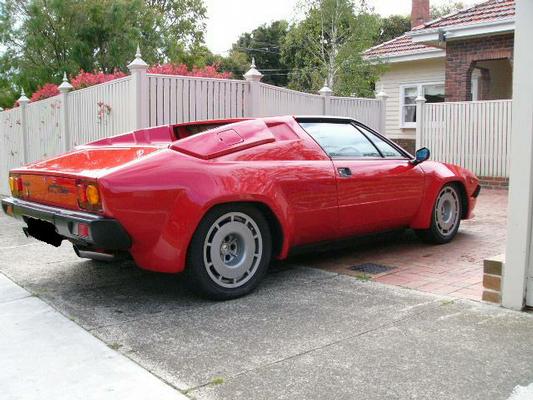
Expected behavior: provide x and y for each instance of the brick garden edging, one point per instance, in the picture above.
(492, 279)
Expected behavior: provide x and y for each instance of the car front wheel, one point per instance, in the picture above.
(446, 216)
(229, 253)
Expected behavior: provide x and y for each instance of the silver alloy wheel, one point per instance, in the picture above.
(447, 211)
(232, 250)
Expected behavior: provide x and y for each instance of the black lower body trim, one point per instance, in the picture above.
(51, 224)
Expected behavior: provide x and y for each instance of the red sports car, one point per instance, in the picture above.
(219, 199)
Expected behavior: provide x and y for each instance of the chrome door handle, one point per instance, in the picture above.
(344, 172)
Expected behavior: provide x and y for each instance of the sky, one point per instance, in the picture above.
(227, 19)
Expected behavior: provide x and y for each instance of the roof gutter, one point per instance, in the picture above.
(398, 58)
(440, 34)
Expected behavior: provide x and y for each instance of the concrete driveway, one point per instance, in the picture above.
(305, 334)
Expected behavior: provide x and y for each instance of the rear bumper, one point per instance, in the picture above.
(104, 233)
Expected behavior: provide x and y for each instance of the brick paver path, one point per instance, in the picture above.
(454, 269)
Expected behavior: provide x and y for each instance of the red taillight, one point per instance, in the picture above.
(83, 230)
(82, 197)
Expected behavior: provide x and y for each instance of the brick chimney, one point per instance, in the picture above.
(419, 12)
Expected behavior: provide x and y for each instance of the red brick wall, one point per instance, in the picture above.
(461, 56)
(489, 182)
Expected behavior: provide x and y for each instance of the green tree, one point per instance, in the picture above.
(264, 44)
(42, 38)
(327, 45)
(392, 27)
(451, 6)
(236, 62)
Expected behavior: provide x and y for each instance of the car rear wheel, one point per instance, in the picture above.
(446, 216)
(229, 253)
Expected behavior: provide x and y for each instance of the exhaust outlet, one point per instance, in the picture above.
(94, 255)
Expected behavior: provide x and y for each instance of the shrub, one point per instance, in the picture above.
(44, 92)
(86, 79)
(209, 71)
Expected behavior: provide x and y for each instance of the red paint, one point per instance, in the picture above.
(159, 188)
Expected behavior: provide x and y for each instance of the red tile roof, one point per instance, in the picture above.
(402, 45)
(488, 11)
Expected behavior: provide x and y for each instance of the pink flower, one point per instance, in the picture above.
(44, 92)
(209, 71)
(86, 79)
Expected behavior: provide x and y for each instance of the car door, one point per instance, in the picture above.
(378, 188)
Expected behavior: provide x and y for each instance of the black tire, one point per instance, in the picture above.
(208, 258)
(439, 232)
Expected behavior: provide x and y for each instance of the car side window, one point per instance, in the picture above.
(341, 140)
(385, 148)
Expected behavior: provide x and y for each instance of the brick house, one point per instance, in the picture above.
(465, 56)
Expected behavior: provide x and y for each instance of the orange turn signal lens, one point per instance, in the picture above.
(15, 185)
(92, 195)
(89, 196)
(12, 185)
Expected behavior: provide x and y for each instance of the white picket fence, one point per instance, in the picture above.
(474, 134)
(366, 111)
(276, 101)
(45, 128)
(11, 148)
(174, 99)
(98, 111)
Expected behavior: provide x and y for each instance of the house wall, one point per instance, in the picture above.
(463, 55)
(396, 75)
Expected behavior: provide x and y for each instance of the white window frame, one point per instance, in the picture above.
(419, 86)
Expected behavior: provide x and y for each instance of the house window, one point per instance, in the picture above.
(433, 92)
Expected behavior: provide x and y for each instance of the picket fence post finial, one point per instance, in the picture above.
(381, 95)
(65, 86)
(64, 89)
(253, 74)
(325, 91)
(23, 102)
(138, 63)
(23, 99)
(139, 91)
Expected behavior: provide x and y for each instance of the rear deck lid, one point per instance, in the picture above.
(225, 140)
(88, 162)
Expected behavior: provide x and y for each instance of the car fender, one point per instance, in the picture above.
(436, 176)
(191, 207)
(168, 209)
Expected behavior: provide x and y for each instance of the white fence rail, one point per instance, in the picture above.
(475, 135)
(276, 100)
(367, 111)
(175, 99)
(11, 147)
(42, 120)
(45, 128)
(99, 111)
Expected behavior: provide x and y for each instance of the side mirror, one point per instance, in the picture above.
(421, 155)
